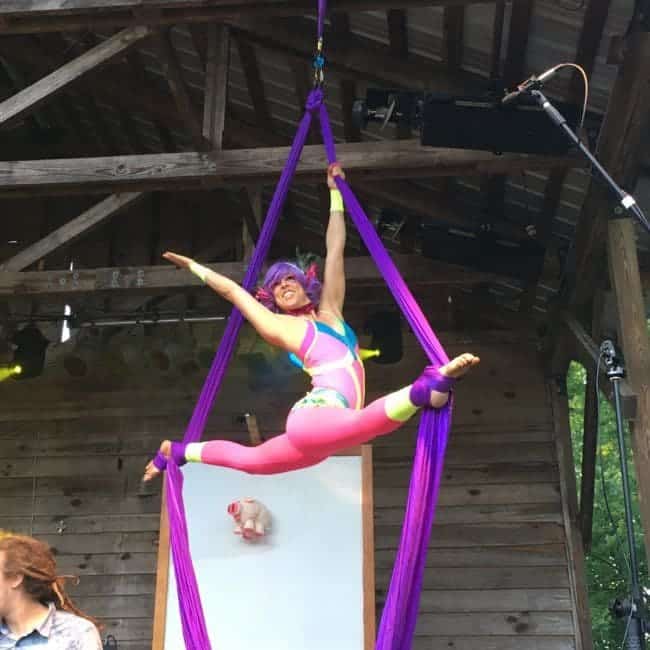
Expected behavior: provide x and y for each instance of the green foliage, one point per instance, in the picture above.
(607, 568)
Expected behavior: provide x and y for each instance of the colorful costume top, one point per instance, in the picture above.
(332, 360)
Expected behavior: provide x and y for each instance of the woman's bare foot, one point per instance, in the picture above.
(456, 368)
(151, 471)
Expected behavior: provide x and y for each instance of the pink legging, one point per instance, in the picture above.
(312, 435)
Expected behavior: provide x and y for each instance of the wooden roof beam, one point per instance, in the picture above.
(398, 39)
(174, 74)
(17, 16)
(256, 92)
(216, 84)
(341, 29)
(158, 279)
(357, 57)
(72, 230)
(453, 28)
(32, 96)
(369, 160)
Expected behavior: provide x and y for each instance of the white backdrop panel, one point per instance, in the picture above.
(301, 587)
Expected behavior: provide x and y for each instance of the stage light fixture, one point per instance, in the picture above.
(29, 352)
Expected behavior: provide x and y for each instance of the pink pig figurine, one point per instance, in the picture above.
(252, 518)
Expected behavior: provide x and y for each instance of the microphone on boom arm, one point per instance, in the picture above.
(534, 81)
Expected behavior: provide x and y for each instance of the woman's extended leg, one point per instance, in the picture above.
(313, 434)
(275, 456)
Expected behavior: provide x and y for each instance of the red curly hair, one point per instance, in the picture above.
(35, 561)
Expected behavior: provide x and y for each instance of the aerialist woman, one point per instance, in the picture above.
(291, 310)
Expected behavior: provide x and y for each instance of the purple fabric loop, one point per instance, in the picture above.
(160, 462)
(314, 100)
(430, 379)
(397, 625)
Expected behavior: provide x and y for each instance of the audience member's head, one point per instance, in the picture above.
(33, 599)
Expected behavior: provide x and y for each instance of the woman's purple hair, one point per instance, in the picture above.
(308, 279)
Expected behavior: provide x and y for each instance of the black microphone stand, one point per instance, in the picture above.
(626, 201)
(631, 607)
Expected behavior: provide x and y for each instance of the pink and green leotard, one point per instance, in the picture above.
(330, 418)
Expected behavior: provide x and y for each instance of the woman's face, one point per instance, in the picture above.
(289, 294)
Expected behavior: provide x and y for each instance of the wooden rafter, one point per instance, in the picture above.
(453, 27)
(72, 230)
(358, 57)
(29, 98)
(404, 158)
(340, 34)
(216, 84)
(12, 78)
(156, 279)
(618, 152)
(248, 58)
(301, 80)
(398, 40)
(174, 74)
(515, 63)
(497, 39)
(340, 21)
(70, 15)
(251, 203)
(590, 36)
(131, 92)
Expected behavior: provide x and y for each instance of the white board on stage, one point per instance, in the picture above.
(308, 584)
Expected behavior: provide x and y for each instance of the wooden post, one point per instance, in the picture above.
(589, 449)
(253, 429)
(575, 549)
(618, 151)
(633, 335)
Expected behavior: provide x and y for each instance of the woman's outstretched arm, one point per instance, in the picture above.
(333, 293)
(277, 329)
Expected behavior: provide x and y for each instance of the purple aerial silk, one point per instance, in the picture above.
(189, 600)
(399, 617)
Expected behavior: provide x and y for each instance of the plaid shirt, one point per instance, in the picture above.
(59, 630)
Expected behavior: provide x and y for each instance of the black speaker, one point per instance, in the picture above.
(485, 252)
(475, 123)
(386, 331)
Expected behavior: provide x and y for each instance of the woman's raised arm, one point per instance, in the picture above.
(277, 329)
(333, 293)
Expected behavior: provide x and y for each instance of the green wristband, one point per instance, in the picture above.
(336, 201)
(199, 270)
